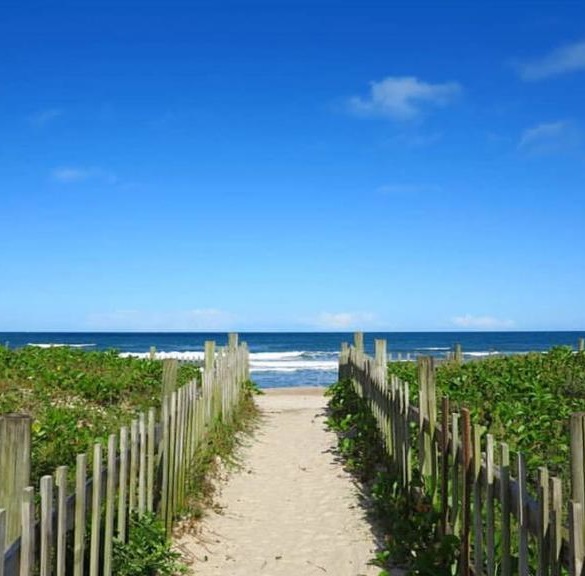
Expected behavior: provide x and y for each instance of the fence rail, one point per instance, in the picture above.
(144, 468)
(479, 501)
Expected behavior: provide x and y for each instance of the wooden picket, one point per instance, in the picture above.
(146, 469)
(480, 502)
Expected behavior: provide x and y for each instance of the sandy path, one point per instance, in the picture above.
(291, 509)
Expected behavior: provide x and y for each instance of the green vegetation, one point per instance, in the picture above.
(76, 397)
(524, 400)
(148, 550)
(408, 521)
(219, 451)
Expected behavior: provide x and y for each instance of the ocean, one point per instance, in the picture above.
(279, 359)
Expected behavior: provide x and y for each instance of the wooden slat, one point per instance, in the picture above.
(576, 538)
(123, 484)
(46, 540)
(110, 506)
(522, 515)
(455, 474)
(466, 497)
(80, 515)
(28, 545)
(96, 506)
(142, 464)
(490, 496)
(151, 460)
(61, 482)
(477, 509)
(556, 517)
(445, 527)
(132, 500)
(506, 509)
(543, 523)
(165, 459)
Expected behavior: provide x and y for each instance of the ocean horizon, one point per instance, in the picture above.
(279, 359)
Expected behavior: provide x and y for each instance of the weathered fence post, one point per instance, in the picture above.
(577, 428)
(209, 355)
(458, 354)
(169, 377)
(15, 436)
(466, 497)
(232, 341)
(581, 345)
(428, 412)
(380, 352)
(358, 341)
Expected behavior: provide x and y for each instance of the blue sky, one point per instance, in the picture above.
(292, 165)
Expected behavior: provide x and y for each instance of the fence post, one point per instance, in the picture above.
(209, 355)
(169, 377)
(232, 341)
(15, 435)
(381, 352)
(458, 354)
(428, 411)
(577, 459)
(358, 341)
(466, 498)
(581, 345)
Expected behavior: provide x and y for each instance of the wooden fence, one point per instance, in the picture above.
(502, 528)
(145, 468)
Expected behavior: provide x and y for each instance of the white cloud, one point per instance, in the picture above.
(71, 174)
(568, 58)
(481, 322)
(403, 97)
(194, 319)
(344, 320)
(549, 137)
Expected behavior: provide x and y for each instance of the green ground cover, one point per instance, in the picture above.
(524, 400)
(77, 397)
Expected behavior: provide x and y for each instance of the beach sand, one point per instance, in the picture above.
(290, 509)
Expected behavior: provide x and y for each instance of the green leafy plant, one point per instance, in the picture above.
(77, 397)
(408, 520)
(147, 551)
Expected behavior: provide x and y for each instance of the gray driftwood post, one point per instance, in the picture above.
(15, 433)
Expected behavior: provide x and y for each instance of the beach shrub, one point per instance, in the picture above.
(525, 400)
(77, 397)
(409, 522)
(147, 552)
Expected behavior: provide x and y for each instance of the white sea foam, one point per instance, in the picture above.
(186, 356)
(480, 354)
(275, 355)
(58, 345)
(435, 348)
(290, 361)
(292, 366)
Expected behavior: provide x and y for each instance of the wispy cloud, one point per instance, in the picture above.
(43, 117)
(403, 97)
(468, 321)
(194, 319)
(550, 137)
(344, 320)
(77, 174)
(567, 58)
